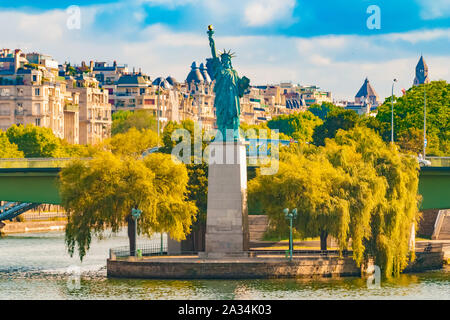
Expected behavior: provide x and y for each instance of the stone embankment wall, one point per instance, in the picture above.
(32, 226)
(194, 268)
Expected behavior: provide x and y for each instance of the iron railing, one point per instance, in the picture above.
(322, 253)
(143, 249)
(36, 162)
(439, 161)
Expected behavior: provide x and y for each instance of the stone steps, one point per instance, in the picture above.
(442, 229)
(257, 226)
(445, 229)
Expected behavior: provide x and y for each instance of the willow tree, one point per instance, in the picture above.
(98, 195)
(393, 216)
(355, 187)
(312, 186)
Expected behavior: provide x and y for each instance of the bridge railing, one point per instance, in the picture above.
(36, 162)
(439, 161)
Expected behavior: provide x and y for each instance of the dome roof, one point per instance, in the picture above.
(204, 73)
(163, 82)
(195, 75)
(171, 80)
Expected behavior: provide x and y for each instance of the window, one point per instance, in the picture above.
(37, 92)
(37, 122)
(37, 108)
(34, 78)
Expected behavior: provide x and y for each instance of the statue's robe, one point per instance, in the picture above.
(228, 89)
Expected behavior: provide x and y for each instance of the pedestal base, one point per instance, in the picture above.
(226, 219)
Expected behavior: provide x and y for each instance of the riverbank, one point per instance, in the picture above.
(37, 266)
(265, 264)
(33, 226)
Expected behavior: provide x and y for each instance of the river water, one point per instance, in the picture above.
(37, 266)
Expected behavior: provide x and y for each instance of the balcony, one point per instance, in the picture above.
(70, 107)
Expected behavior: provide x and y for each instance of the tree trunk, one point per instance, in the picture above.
(323, 240)
(132, 235)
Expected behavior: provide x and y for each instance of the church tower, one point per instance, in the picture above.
(421, 72)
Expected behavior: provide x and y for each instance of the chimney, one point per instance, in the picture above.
(115, 63)
(91, 65)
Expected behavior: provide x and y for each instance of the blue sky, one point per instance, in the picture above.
(326, 42)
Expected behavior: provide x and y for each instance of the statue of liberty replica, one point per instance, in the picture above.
(226, 219)
(228, 89)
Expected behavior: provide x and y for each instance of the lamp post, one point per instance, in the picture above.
(291, 216)
(424, 120)
(135, 214)
(157, 107)
(392, 111)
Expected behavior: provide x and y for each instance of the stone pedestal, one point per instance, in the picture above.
(227, 216)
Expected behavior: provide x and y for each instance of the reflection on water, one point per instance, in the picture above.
(35, 267)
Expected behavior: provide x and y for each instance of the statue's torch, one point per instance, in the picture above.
(210, 31)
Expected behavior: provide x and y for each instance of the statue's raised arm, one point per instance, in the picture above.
(211, 41)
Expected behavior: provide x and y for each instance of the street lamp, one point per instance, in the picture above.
(135, 214)
(158, 106)
(392, 111)
(291, 216)
(424, 120)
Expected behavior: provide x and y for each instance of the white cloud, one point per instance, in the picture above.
(335, 63)
(434, 9)
(265, 12)
(419, 36)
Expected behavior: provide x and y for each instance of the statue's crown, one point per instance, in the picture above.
(227, 53)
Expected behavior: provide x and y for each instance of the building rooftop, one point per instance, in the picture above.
(132, 79)
(366, 90)
(194, 75)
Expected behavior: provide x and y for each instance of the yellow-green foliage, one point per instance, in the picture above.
(8, 149)
(99, 194)
(132, 143)
(355, 187)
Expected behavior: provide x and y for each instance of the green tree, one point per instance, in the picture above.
(411, 140)
(197, 186)
(262, 131)
(322, 110)
(299, 125)
(132, 143)
(35, 142)
(99, 194)
(139, 119)
(355, 187)
(409, 113)
(335, 120)
(8, 149)
(393, 215)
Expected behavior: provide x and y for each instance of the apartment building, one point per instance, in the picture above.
(93, 107)
(32, 99)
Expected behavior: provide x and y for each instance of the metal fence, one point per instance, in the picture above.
(143, 249)
(439, 161)
(30, 215)
(323, 253)
(37, 162)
